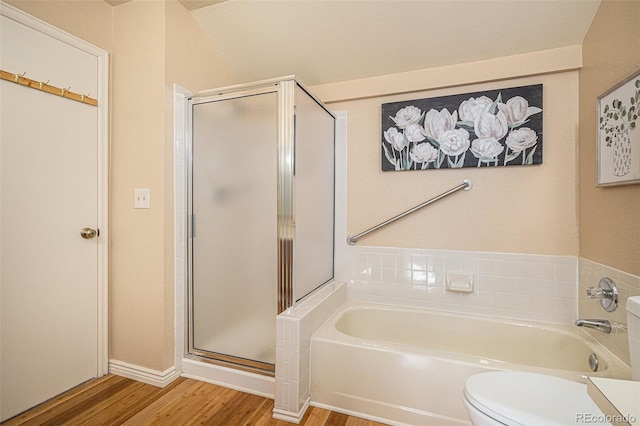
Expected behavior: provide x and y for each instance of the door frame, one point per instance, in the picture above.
(102, 96)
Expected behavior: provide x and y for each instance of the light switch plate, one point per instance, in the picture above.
(142, 198)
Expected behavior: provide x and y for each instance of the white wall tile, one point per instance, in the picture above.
(294, 328)
(545, 288)
(388, 274)
(566, 272)
(524, 269)
(567, 290)
(565, 307)
(524, 303)
(542, 278)
(487, 267)
(505, 285)
(486, 284)
(506, 268)
(179, 232)
(544, 271)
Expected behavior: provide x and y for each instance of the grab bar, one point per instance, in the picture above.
(466, 185)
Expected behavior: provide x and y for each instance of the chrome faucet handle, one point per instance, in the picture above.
(606, 292)
(599, 293)
(595, 293)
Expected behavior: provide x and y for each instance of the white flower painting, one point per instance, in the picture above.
(488, 129)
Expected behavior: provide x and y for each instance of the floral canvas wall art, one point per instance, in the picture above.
(481, 129)
(618, 141)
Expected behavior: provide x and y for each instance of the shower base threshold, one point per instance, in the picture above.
(244, 381)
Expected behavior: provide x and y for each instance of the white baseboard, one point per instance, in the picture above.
(256, 384)
(290, 416)
(143, 374)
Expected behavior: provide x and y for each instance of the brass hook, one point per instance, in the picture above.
(64, 90)
(43, 84)
(17, 77)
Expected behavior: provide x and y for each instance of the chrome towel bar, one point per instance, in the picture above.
(465, 185)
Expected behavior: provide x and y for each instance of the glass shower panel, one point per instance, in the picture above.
(313, 194)
(234, 244)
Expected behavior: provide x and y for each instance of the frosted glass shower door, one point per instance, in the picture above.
(234, 243)
(313, 194)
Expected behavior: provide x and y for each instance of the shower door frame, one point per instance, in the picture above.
(284, 87)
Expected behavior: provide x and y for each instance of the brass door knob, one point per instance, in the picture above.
(88, 233)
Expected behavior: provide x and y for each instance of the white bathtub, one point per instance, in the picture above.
(408, 366)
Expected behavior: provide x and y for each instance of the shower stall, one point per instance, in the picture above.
(260, 213)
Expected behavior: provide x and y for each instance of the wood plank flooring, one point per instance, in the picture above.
(114, 400)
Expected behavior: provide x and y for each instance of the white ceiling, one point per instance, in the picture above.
(323, 41)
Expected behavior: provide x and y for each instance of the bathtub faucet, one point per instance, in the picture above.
(598, 324)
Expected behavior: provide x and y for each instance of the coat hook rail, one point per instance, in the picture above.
(46, 87)
(465, 185)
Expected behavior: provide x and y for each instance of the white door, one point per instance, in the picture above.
(49, 193)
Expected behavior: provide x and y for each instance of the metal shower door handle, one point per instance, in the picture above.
(88, 233)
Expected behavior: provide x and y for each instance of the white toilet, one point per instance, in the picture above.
(523, 399)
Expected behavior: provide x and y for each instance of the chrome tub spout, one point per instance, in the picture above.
(598, 324)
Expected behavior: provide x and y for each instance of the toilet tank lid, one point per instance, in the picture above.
(633, 305)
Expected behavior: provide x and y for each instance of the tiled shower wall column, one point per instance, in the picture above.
(180, 216)
(294, 328)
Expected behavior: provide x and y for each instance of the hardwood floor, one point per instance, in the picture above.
(114, 400)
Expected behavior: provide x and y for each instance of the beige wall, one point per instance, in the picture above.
(89, 20)
(514, 209)
(609, 217)
(137, 291)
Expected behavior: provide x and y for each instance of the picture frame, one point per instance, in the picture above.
(486, 129)
(618, 133)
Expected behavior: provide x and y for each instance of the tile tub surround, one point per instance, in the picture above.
(628, 285)
(294, 328)
(518, 286)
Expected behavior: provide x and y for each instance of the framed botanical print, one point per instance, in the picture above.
(618, 136)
